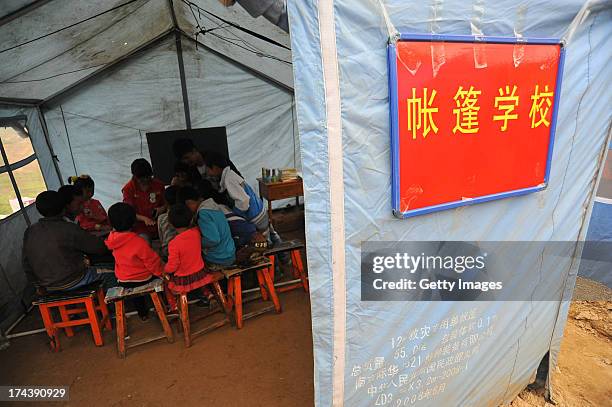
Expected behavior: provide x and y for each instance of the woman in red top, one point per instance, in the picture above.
(93, 216)
(185, 266)
(146, 195)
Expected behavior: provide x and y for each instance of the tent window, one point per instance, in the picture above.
(20, 176)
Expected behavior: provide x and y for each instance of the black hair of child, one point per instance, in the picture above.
(82, 181)
(141, 168)
(180, 166)
(219, 160)
(182, 146)
(50, 203)
(180, 216)
(171, 194)
(207, 190)
(68, 192)
(212, 159)
(188, 194)
(122, 216)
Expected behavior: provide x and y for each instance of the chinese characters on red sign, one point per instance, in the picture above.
(471, 121)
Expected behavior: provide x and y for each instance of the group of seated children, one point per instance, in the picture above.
(201, 220)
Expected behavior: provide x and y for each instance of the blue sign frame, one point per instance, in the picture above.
(393, 111)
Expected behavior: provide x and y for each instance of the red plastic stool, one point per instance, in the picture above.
(89, 301)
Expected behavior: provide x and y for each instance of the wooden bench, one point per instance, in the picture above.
(184, 310)
(119, 294)
(294, 247)
(266, 286)
(89, 300)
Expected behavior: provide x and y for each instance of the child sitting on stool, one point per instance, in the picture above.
(136, 263)
(185, 267)
(217, 243)
(92, 217)
(146, 195)
(165, 230)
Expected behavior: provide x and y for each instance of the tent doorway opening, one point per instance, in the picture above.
(112, 72)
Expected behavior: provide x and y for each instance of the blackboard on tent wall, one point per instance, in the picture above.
(160, 147)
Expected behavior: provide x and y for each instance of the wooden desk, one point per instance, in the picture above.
(280, 190)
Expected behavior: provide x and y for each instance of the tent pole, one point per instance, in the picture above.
(181, 65)
(45, 129)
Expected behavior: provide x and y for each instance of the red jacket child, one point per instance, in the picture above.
(185, 265)
(93, 214)
(134, 258)
(145, 203)
(146, 195)
(185, 253)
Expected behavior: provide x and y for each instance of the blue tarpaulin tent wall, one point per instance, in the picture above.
(340, 79)
(596, 262)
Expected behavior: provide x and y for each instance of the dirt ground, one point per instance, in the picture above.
(269, 362)
(583, 377)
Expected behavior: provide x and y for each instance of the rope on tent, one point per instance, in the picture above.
(103, 121)
(247, 46)
(75, 46)
(68, 138)
(229, 23)
(106, 122)
(56, 75)
(69, 26)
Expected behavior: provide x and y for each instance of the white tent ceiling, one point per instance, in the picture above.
(53, 45)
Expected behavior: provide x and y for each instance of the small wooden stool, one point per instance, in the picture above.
(266, 286)
(297, 267)
(184, 310)
(91, 300)
(119, 294)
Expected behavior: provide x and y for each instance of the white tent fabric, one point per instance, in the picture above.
(41, 69)
(349, 333)
(108, 118)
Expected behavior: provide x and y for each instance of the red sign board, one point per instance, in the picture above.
(471, 121)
